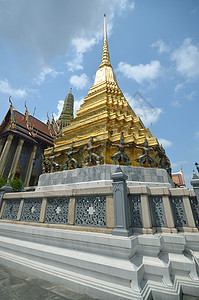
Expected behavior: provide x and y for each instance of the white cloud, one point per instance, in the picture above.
(165, 143)
(5, 88)
(77, 104)
(79, 82)
(60, 105)
(81, 46)
(147, 113)
(178, 87)
(46, 71)
(50, 28)
(186, 58)
(161, 46)
(141, 72)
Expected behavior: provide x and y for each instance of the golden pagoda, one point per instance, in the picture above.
(106, 130)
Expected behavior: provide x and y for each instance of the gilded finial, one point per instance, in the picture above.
(34, 111)
(105, 53)
(10, 100)
(13, 121)
(105, 32)
(152, 130)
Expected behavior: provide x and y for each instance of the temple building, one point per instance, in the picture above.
(178, 179)
(23, 139)
(105, 130)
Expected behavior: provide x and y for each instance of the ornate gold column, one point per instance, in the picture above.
(30, 166)
(16, 159)
(1, 145)
(4, 153)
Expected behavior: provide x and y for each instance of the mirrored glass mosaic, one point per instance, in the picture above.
(57, 210)
(135, 211)
(11, 209)
(178, 212)
(158, 214)
(195, 209)
(91, 211)
(31, 210)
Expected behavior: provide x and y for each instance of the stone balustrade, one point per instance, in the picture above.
(148, 209)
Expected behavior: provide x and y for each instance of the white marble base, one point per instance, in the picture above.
(105, 266)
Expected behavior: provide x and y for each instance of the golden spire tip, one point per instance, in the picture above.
(105, 33)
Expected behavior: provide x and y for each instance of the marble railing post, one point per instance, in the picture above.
(195, 183)
(4, 153)
(4, 189)
(121, 211)
(30, 166)
(16, 159)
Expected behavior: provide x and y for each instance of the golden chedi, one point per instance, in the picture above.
(106, 130)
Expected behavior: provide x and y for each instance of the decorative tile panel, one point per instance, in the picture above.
(195, 209)
(135, 211)
(158, 213)
(11, 209)
(31, 210)
(91, 211)
(57, 210)
(179, 212)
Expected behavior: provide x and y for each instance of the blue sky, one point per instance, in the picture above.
(49, 46)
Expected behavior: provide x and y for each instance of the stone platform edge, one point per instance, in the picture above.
(159, 266)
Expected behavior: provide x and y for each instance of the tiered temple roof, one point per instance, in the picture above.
(25, 126)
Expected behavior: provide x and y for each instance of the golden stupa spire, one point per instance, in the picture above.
(105, 71)
(105, 53)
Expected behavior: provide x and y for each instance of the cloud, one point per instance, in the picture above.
(81, 46)
(165, 143)
(46, 71)
(5, 88)
(60, 105)
(79, 82)
(161, 46)
(77, 104)
(147, 113)
(178, 87)
(43, 30)
(141, 72)
(186, 58)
